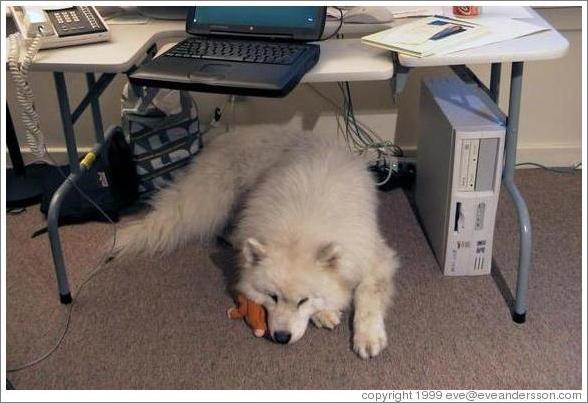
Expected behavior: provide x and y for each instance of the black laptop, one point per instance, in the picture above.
(260, 51)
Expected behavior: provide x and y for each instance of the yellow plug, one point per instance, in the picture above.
(88, 160)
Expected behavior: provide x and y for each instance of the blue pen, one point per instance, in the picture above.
(454, 29)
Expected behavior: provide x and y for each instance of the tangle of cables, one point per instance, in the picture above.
(360, 138)
(24, 96)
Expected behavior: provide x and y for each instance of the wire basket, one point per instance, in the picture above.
(163, 130)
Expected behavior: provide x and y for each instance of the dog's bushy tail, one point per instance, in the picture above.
(195, 206)
(199, 203)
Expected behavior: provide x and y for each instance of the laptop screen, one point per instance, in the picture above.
(296, 22)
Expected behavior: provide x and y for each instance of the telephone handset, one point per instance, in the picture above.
(60, 27)
(46, 28)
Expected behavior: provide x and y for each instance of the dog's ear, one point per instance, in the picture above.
(253, 251)
(328, 255)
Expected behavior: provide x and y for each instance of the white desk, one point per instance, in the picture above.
(341, 60)
(540, 46)
(130, 42)
(127, 47)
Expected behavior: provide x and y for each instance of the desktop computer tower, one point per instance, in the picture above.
(459, 167)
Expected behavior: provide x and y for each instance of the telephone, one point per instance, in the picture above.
(46, 28)
(60, 26)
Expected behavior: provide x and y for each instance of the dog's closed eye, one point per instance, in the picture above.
(274, 297)
(302, 301)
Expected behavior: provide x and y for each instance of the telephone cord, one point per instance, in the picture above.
(24, 94)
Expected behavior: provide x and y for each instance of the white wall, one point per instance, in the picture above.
(550, 127)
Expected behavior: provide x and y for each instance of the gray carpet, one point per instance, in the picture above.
(161, 324)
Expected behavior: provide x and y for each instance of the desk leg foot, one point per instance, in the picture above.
(519, 317)
(65, 298)
(525, 247)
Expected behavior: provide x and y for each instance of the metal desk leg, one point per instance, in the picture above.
(53, 218)
(399, 80)
(68, 119)
(54, 206)
(64, 109)
(520, 310)
(495, 81)
(96, 115)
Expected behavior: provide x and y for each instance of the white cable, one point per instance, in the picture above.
(387, 177)
(232, 120)
(358, 136)
(360, 146)
(69, 308)
(104, 259)
(24, 95)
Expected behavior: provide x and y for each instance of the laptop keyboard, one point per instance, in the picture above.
(237, 50)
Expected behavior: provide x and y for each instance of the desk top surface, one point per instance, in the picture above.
(341, 60)
(539, 46)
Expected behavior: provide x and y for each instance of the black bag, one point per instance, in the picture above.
(111, 182)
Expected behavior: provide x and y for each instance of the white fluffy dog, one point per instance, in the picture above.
(307, 230)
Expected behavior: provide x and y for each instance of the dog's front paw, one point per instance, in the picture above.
(370, 339)
(327, 319)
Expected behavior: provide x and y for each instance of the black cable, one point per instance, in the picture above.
(560, 170)
(338, 28)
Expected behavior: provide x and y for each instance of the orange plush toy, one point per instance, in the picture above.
(253, 313)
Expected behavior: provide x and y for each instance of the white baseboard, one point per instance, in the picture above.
(549, 155)
(552, 155)
(59, 154)
(561, 155)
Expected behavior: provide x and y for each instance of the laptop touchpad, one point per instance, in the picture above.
(209, 71)
(215, 67)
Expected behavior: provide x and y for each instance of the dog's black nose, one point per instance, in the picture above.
(282, 337)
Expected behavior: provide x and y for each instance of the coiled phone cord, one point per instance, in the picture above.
(24, 96)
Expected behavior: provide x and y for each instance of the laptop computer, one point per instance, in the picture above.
(241, 50)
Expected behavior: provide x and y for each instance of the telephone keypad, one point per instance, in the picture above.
(75, 21)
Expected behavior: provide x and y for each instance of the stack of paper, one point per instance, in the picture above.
(426, 36)
(499, 29)
(441, 35)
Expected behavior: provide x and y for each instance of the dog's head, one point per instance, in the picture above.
(292, 282)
